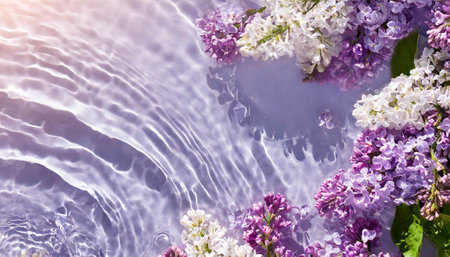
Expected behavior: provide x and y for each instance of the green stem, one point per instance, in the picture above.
(438, 136)
(433, 156)
(279, 30)
(269, 246)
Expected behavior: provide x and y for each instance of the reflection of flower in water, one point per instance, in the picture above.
(302, 223)
(295, 134)
(236, 220)
(326, 120)
(35, 254)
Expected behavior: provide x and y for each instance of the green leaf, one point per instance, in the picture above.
(404, 54)
(252, 11)
(445, 209)
(439, 231)
(407, 230)
(441, 252)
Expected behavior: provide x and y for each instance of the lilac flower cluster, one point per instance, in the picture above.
(350, 42)
(439, 193)
(368, 43)
(269, 230)
(439, 25)
(389, 167)
(173, 251)
(435, 198)
(331, 198)
(266, 224)
(358, 239)
(220, 30)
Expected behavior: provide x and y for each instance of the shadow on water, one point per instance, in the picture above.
(271, 99)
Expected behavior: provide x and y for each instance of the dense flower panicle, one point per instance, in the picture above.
(220, 30)
(257, 42)
(202, 235)
(266, 225)
(439, 25)
(311, 31)
(277, 203)
(173, 251)
(405, 146)
(406, 98)
(389, 167)
(402, 155)
(375, 26)
(230, 248)
(331, 198)
(391, 164)
(443, 143)
(367, 231)
(358, 239)
(205, 237)
(443, 100)
(439, 194)
(354, 65)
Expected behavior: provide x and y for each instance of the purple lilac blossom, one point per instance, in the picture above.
(331, 198)
(326, 120)
(220, 30)
(365, 231)
(389, 167)
(375, 27)
(267, 224)
(439, 25)
(445, 182)
(435, 197)
(358, 239)
(444, 141)
(173, 251)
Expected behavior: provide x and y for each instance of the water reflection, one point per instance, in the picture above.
(271, 99)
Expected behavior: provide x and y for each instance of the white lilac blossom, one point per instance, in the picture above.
(444, 99)
(265, 40)
(406, 98)
(231, 248)
(204, 237)
(311, 30)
